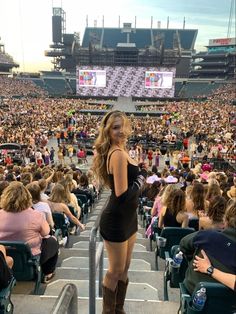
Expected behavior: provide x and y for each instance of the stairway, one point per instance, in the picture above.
(145, 290)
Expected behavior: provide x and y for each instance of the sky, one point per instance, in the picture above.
(26, 25)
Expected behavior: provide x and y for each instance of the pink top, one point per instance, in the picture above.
(157, 206)
(28, 226)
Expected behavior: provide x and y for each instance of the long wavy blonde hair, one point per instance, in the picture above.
(103, 144)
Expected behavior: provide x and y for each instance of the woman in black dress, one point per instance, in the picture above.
(118, 226)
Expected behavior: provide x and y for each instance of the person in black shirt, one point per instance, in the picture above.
(118, 224)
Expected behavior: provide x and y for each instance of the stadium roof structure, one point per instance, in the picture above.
(143, 37)
(120, 46)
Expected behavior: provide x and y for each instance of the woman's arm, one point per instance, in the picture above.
(50, 219)
(8, 259)
(119, 170)
(154, 208)
(118, 166)
(76, 221)
(75, 204)
(161, 217)
(202, 264)
(49, 179)
(45, 229)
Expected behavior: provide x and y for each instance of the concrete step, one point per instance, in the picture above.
(153, 278)
(84, 245)
(136, 291)
(85, 237)
(86, 233)
(83, 262)
(43, 304)
(137, 254)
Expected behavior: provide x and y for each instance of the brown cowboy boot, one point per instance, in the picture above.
(120, 296)
(109, 300)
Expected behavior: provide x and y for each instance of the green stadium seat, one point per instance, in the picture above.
(6, 305)
(220, 299)
(26, 266)
(173, 235)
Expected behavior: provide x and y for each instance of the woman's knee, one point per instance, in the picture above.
(115, 274)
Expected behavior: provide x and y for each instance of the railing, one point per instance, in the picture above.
(95, 261)
(66, 301)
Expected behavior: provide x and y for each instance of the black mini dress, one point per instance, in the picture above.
(119, 218)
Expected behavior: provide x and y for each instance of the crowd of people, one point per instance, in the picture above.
(181, 194)
(29, 197)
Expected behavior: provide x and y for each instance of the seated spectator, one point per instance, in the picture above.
(93, 184)
(19, 222)
(6, 263)
(173, 214)
(220, 247)
(83, 188)
(213, 191)
(38, 204)
(232, 193)
(43, 187)
(57, 203)
(71, 199)
(215, 214)
(203, 264)
(196, 204)
(3, 185)
(153, 191)
(26, 178)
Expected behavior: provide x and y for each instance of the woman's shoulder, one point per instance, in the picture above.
(33, 214)
(117, 154)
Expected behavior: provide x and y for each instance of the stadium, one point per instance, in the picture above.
(180, 104)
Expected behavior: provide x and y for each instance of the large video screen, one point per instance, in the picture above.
(125, 81)
(92, 78)
(155, 79)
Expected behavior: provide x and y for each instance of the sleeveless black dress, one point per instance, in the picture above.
(119, 219)
(169, 220)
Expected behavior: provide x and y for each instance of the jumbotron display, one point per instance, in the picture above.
(125, 81)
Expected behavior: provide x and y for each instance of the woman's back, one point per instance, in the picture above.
(26, 225)
(170, 220)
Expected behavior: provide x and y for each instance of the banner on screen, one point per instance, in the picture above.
(92, 78)
(154, 79)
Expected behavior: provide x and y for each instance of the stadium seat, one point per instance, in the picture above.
(83, 215)
(173, 275)
(26, 266)
(173, 235)
(6, 306)
(84, 199)
(61, 227)
(220, 299)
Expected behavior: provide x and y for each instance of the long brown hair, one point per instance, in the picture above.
(217, 207)
(177, 202)
(198, 197)
(103, 144)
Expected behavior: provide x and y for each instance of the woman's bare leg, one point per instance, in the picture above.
(117, 255)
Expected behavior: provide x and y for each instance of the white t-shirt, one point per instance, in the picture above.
(43, 208)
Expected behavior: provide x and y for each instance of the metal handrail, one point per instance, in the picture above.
(95, 260)
(66, 301)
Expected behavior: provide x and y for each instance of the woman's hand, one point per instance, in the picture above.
(201, 264)
(82, 227)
